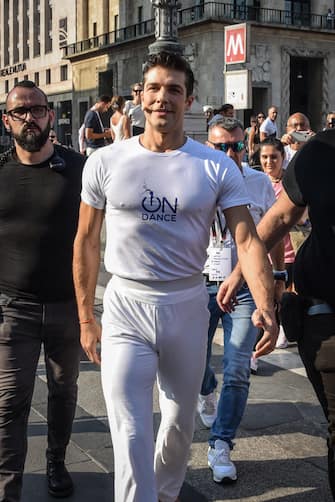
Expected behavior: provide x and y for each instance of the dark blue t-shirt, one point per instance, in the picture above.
(92, 121)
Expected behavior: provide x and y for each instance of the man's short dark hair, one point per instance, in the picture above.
(174, 62)
(226, 107)
(104, 99)
(227, 123)
(29, 84)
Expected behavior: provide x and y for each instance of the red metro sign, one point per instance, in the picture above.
(235, 43)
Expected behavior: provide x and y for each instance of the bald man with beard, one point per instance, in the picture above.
(296, 122)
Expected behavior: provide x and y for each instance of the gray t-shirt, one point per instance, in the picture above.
(159, 206)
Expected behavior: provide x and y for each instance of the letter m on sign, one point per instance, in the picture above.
(235, 43)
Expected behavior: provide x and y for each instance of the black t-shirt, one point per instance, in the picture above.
(310, 181)
(39, 209)
(92, 121)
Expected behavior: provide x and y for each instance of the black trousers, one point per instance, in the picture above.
(24, 326)
(317, 351)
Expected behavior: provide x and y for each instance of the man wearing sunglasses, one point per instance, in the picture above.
(39, 203)
(133, 110)
(239, 332)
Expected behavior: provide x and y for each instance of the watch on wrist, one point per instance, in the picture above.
(280, 275)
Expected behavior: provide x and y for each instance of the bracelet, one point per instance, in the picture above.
(87, 321)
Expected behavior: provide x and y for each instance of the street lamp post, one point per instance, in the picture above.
(166, 31)
(166, 35)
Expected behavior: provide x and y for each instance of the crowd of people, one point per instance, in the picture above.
(164, 197)
(127, 119)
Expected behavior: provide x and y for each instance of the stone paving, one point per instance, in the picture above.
(280, 451)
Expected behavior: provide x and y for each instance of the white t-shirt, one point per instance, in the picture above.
(269, 127)
(136, 116)
(159, 206)
(261, 196)
(289, 154)
(128, 106)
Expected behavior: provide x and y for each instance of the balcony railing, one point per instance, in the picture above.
(230, 12)
(113, 37)
(214, 11)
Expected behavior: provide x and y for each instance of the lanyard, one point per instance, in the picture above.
(223, 230)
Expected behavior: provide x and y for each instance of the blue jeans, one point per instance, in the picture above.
(239, 339)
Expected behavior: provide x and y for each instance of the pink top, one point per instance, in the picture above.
(289, 254)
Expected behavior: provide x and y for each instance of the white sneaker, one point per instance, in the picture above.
(220, 463)
(207, 408)
(253, 365)
(282, 342)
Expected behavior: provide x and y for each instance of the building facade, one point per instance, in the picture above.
(79, 49)
(291, 53)
(33, 34)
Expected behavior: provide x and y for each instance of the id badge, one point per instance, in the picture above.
(219, 263)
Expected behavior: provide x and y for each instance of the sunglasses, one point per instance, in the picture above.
(260, 116)
(137, 91)
(52, 137)
(20, 113)
(238, 146)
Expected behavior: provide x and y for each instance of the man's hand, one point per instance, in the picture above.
(287, 139)
(107, 132)
(266, 320)
(226, 296)
(90, 335)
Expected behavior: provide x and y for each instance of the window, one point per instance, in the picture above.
(25, 77)
(16, 81)
(116, 22)
(48, 76)
(139, 20)
(16, 31)
(37, 78)
(25, 24)
(94, 29)
(298, 12)
(5, 27)
(140, 14)
(37, 27)
(240, 9)
(63, 32)
(63, 72)
(48, 26)
(6, 86)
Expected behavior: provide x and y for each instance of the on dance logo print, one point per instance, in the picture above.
(158, 208)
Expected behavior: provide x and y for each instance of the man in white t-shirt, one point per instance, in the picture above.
(239, 331)
(159, 192)
(133, 110)
(269, 126)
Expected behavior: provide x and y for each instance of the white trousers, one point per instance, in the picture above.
(149, 333)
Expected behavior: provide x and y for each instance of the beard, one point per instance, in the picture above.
(32, 140)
